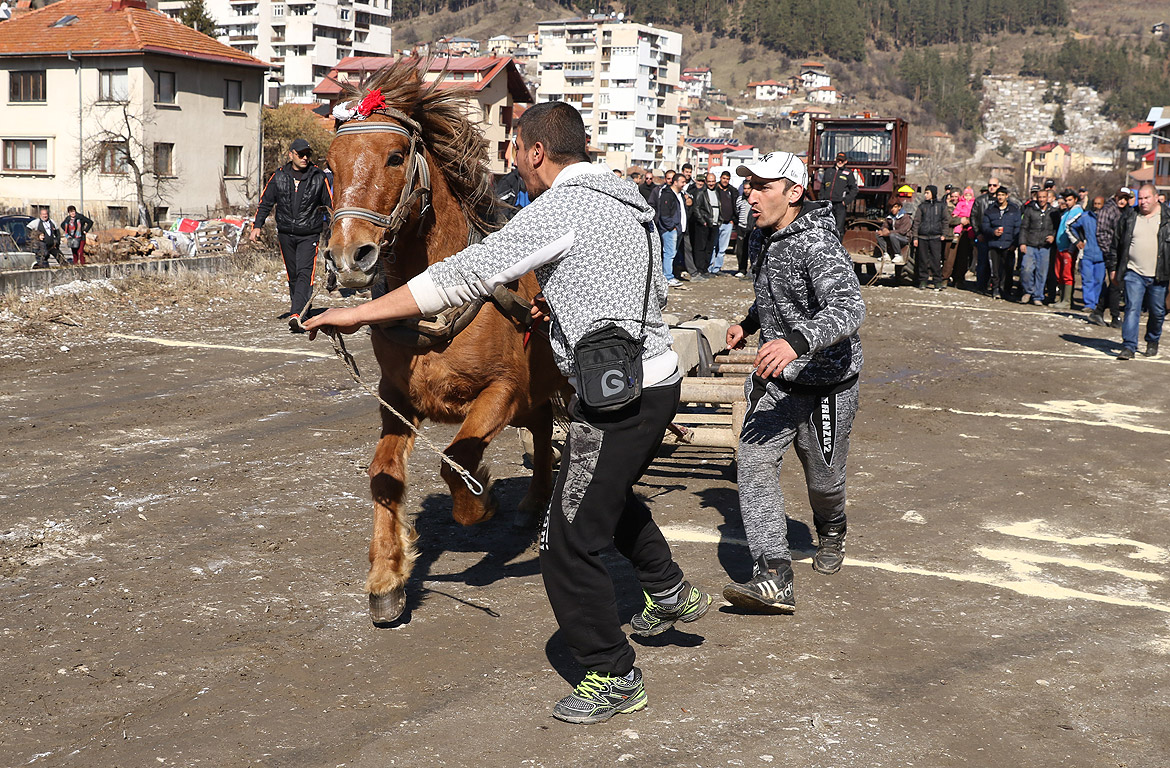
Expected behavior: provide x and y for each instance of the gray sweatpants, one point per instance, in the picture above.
(820, 426)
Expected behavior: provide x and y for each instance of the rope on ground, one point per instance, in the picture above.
(350, 364)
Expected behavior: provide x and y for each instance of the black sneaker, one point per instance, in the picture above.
(599, 697)
(830, 548)
(769, 590)
(1115, 323)
(656, 619)
(294, 324)
(1125, 354)
(1151, 349)
(1096, 318)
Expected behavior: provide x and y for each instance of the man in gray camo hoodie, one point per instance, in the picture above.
(590, 239)
(808, 310)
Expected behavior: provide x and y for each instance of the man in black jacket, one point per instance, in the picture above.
(705, 223)
(839, 187)
(1141, 253)
(302, 197)
(927, 234)
(1037, 233)
(978, 208)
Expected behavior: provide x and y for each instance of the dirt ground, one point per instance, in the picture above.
(184, 522)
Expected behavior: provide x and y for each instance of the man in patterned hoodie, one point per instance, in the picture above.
(808, 310)
(590, 239)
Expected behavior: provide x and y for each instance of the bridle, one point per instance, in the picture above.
(417, 184)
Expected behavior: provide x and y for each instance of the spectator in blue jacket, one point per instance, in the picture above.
(1001, 227)
(1082, 230)
(1066, 252)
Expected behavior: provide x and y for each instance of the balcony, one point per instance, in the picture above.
(578, 74)
(242, 38)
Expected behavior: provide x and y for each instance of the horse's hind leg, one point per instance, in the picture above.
(540, 423)
(491, 412)
(392, 552)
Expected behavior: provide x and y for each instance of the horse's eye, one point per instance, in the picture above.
(396, 158)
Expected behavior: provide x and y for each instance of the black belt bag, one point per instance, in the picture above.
(607, 362)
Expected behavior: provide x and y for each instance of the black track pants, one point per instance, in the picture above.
(300, 265)
(594, 505)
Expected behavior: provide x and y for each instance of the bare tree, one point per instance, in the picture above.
(119, 146)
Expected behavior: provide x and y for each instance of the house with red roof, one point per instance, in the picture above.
(768, 90)
(125, 113)
(719, 127)
(1051, 160)
(494, 83)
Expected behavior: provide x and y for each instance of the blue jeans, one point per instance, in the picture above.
(669, 241)
(1092, 278)
(724, 240)
(1141, 290)
(1034, 271)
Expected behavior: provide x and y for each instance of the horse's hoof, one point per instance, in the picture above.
(385, 609)
(528, 516)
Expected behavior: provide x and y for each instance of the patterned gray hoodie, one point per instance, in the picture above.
(586, 237)
(808, 294)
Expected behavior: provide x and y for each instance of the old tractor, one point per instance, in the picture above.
(876, 152)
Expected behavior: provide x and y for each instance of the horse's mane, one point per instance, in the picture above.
(459, 148)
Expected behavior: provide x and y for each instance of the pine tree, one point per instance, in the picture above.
(1058, 125)
(195, 16)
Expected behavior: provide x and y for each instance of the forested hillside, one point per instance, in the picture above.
(836, 28)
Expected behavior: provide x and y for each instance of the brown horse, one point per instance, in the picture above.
(410, 184)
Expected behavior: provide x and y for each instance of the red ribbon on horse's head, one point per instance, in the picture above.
(373, 101)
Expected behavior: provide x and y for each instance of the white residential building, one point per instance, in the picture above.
(103, 92)
(301, 38)
(825, 94)
(811, 78)
(623, 77)
(696, 81)
(767, 90)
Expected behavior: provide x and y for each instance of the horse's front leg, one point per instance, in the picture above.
(392, 551)
(539, 422)
(491, 412)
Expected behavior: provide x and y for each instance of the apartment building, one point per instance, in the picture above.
(106, 97)
(302, 39)
(623, 77)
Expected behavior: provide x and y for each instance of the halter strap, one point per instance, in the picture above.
(417, 184)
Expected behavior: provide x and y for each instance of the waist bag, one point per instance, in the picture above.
(607, 361)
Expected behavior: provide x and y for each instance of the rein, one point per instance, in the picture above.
(417, 186)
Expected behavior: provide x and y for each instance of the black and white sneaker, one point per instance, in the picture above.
(769, 590)
(830, 548)
(600, 696)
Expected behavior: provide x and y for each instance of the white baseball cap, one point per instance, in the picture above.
(777, 165)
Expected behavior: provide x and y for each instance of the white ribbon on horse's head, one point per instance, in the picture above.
(346, 110)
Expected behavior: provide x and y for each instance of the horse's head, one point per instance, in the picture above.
(380, 180)
(382, 171)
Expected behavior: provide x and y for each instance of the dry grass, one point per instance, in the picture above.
(34, 312)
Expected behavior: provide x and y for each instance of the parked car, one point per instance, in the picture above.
(16, 226)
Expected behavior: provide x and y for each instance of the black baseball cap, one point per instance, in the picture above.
(299, 145)
(1049, 184)
(1034, 188)
(841, 156)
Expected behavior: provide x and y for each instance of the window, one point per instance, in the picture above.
(345, 14)
(118, 215)
(113, 158)
(164, 160)
(161, 212)
(164, 87)
(278, 9)
(113, 85)
(233, 96)
(26, 155)
(26, 86)
(231, 161)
